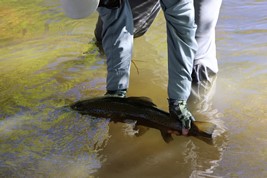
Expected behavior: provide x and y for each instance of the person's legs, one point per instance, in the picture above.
(144, 13)
(206, 16)
(205, 63)
(182, 46)
(181, 28)
(117, 42)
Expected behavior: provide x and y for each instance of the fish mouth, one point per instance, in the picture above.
(76, 107)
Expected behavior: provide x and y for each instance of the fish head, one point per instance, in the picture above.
(77, 106)
(85, 106)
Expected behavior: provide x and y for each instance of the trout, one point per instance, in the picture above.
(143, 111)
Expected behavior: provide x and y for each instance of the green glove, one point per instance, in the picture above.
(178, 110)
(116, 93)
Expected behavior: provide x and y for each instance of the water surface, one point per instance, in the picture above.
(49, 61)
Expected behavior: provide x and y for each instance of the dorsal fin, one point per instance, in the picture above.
(141, 101)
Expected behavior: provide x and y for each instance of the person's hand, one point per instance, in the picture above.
(116, 93)
(174, 132)
(178, 110)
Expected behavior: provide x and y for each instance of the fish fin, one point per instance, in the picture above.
(141, 130)
(167, 137)
(204, 129)
(143, 101)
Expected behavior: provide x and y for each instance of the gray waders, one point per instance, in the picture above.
(117, 26)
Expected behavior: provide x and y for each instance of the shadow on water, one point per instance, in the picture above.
(46, 62)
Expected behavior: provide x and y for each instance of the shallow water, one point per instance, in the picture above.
(49, 61)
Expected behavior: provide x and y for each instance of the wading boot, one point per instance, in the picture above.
(178, 110)
(116, 93)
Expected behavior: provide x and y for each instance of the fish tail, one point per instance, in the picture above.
(204, 129)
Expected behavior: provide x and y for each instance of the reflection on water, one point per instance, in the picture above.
(49, 61)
